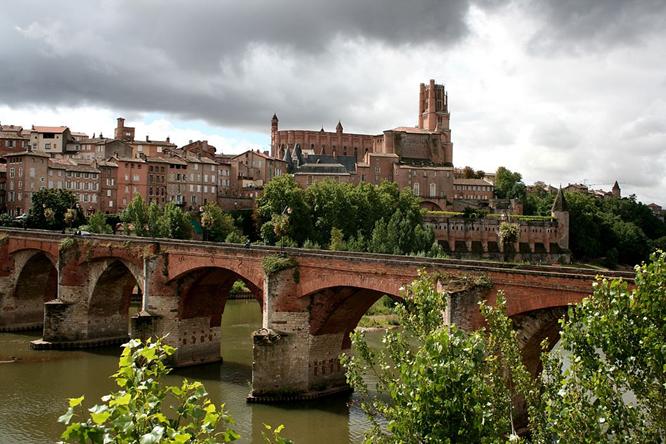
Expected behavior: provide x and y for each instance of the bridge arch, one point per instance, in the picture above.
(203, 293)
(532, 328)
(36, 283)
(109, 299)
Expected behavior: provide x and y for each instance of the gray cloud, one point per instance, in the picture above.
(560, 89)
(189, 58)
(589, 25)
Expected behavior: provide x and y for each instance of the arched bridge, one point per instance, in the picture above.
(79, 288)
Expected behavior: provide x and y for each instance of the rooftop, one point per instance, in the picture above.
(49, 129)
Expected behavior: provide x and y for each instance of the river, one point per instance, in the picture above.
(34, 390)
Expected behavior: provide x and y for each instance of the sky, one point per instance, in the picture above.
(564, 91)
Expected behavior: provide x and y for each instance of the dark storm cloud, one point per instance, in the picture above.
(591, 25)
(184, 57)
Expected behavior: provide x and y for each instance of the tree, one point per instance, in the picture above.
(280, 193)
(437, 383)
(97, 224)
(507, 184)
(337, 240)
(55, 202)
(616, 346)
(174, 223)
(218, 224)
(136, 214)
(138, 412)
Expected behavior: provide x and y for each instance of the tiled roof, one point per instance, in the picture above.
(29, 153)
(49, 129)
(472, 182)
(411, 129)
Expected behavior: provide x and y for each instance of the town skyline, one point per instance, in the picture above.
(554, 98)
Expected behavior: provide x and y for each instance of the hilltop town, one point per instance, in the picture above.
(106, 173)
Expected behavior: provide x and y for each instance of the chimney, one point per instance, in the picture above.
(168, 139)
(101, 136)
(147, 138)
(265, 153)
(121, 122)
(190, 142)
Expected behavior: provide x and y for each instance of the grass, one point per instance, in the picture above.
(380, 315)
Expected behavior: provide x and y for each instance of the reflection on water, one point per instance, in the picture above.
(34, 390)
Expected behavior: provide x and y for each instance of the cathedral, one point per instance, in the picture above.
(419, 157)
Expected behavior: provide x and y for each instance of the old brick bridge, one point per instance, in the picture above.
(78, 290)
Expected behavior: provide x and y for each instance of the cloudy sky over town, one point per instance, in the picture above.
(561, 90)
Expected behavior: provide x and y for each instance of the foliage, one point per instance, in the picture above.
(539, 201)
(337, 240)
(437, 383)
(469, 173)
(149, 220)
(273, 264)
(352, 213)
(611, 228)
(97, 224)
(239, 287)
(616, 346)
(66, 244)
(174, 223)
(137, 413)
(136, 213)
(508, 184)
(279, 194)
(57, 202)
(308, 244)
(508, 233)
(474, 213)
(235, 237)
(6, 220)
(217, 223)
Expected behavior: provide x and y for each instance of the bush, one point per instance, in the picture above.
(235, 237)
(138, 412)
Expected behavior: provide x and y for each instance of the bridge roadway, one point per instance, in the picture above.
(78, 288)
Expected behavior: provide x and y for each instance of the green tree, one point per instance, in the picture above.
(174, 223)
(614, 388)
(337, 240)
(97, 224)
(58, 201)
(280, 194)
(136, 214)
(219, 224)
(437, 383)
(508, 184)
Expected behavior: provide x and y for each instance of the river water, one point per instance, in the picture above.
(34, 390)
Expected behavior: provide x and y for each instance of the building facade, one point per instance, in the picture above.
(419, 158)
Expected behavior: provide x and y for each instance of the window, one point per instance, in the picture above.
(416, 189)
(433, 190)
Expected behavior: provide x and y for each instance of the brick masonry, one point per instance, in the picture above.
(308, 310)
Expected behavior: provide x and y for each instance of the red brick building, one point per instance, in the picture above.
(13, 139)
(26, 174)
(132, 179)
(419, 158)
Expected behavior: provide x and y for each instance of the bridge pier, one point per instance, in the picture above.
(289, 362)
